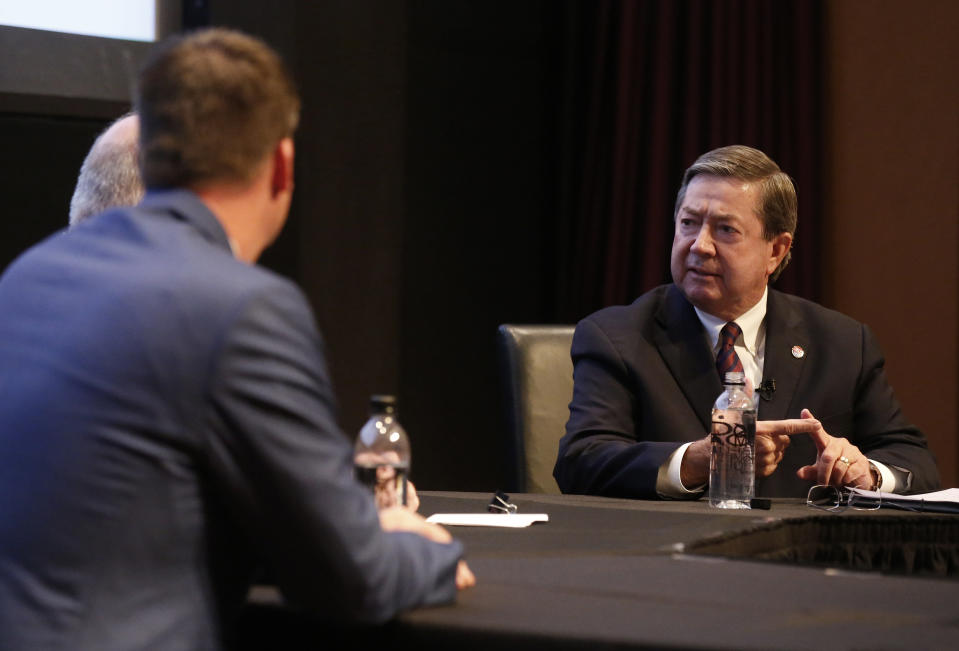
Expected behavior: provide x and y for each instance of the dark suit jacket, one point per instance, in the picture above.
(166, 418)
(645, 380)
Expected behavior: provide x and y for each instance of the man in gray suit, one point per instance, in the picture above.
(646, 374)
(167, 423)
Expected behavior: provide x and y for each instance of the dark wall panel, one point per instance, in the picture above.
(39, 166)
(349, 194)
(475, 240)
(891, 249)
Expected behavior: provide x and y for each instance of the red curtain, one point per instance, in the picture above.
(646, 87)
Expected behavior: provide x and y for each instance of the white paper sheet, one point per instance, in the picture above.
(513, 520)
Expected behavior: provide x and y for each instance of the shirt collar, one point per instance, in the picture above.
(750, 321)
(188, 207)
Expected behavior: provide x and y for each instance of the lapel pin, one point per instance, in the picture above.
(798, 352)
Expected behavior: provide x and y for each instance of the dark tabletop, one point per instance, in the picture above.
(597, 525)
(617, 574)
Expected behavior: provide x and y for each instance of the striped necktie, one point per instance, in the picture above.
(727, 360)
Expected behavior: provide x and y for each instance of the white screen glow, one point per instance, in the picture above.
(133, 20)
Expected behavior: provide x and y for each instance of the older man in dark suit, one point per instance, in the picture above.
(167, 423)
(645, 374)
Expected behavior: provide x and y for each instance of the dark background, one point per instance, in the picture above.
(446, 184)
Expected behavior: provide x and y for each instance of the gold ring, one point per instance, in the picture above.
(845, 460)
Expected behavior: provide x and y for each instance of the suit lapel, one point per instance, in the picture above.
(786, 346)
(784, 335)
(682, 345)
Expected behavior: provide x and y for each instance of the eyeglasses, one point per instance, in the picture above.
(833, 498)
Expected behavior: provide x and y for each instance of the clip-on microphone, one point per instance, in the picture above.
(766, 389)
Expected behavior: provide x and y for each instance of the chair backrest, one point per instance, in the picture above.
(538, 380)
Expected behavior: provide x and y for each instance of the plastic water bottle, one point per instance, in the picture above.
(381, 456)
(732, 470)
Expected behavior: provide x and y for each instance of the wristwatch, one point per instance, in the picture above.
(874, 469)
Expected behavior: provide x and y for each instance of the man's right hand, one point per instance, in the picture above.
(464, 576)
(772, 439)
(400, 518)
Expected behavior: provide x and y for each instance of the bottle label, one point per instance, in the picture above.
(733, 438)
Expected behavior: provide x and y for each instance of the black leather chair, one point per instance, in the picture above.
(538, 381)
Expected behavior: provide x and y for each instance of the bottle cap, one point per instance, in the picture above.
(735, 377)
(381, 402)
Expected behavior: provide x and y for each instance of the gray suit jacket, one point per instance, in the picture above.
(645, 381)
(167, 423)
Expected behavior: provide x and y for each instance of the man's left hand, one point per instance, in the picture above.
(838, 462)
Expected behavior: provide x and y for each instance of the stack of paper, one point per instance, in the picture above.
(944, 501)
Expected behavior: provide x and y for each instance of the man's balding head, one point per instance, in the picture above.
(110, 175)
